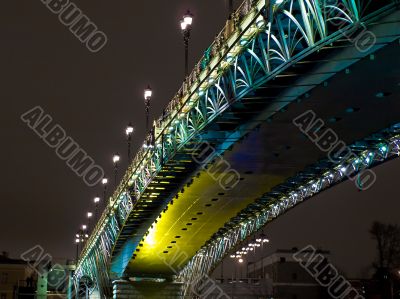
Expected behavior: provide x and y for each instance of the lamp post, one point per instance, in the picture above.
(89, 216)
(83, 233)
(230, 8)
(77, 241)
(240, 260)
(262, 239)
(96, 207)
(104, 181)
(147, 97)
(116, 159)
(186, 26)
(129, 130)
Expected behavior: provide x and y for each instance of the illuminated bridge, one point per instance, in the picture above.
(226, 157)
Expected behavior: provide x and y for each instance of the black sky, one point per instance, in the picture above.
(94, 96)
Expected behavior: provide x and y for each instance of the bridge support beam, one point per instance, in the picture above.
(123, 289)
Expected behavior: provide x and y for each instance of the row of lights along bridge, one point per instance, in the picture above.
(83, 233)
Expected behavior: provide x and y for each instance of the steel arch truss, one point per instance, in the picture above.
(262, 40)
(96, 263)
(372, 151)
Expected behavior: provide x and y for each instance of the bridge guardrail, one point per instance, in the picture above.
(202, 70)
(183, 103)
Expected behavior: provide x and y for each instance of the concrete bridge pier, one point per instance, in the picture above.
(124, 289)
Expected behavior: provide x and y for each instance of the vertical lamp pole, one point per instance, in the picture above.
(89, 216)
(96, 207)
(104, 181)
(129, 130)
(240, 268)
(186, 26)
(230, 8)
(147, 97)
(264, 240)
(116, 159)
(77, 240)
(84, 235)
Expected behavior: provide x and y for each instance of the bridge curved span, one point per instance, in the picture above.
(270, 55)
(365, 154)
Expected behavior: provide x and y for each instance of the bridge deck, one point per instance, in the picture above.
(245, 114)
(277, 150)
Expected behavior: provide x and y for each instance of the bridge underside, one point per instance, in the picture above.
(354, 93)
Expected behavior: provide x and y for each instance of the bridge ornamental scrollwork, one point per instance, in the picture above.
(269, 37)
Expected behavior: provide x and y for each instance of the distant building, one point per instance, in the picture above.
(289, 279)
(15, 276)
(277, 276)
(18, 279)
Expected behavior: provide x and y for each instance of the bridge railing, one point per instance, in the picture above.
(219, 59)
(244, 23)
(206, 67)
(213, 51)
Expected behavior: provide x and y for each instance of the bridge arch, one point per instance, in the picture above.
(270, 38)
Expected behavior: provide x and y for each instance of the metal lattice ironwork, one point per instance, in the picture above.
(261, 41)
(385, 146)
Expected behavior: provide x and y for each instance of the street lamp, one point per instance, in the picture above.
(186, 26)
(264, 238)
(89, 216)
(77, 241)
(129, 130)
(147, 97)
(104, 181)
(96, 207)
(116, 159)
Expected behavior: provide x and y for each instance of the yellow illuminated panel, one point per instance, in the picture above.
(192, 219)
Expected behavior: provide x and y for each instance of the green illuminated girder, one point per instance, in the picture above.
(195, 272)
(265, 40)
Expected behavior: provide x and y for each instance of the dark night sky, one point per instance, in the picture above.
(94, 96)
